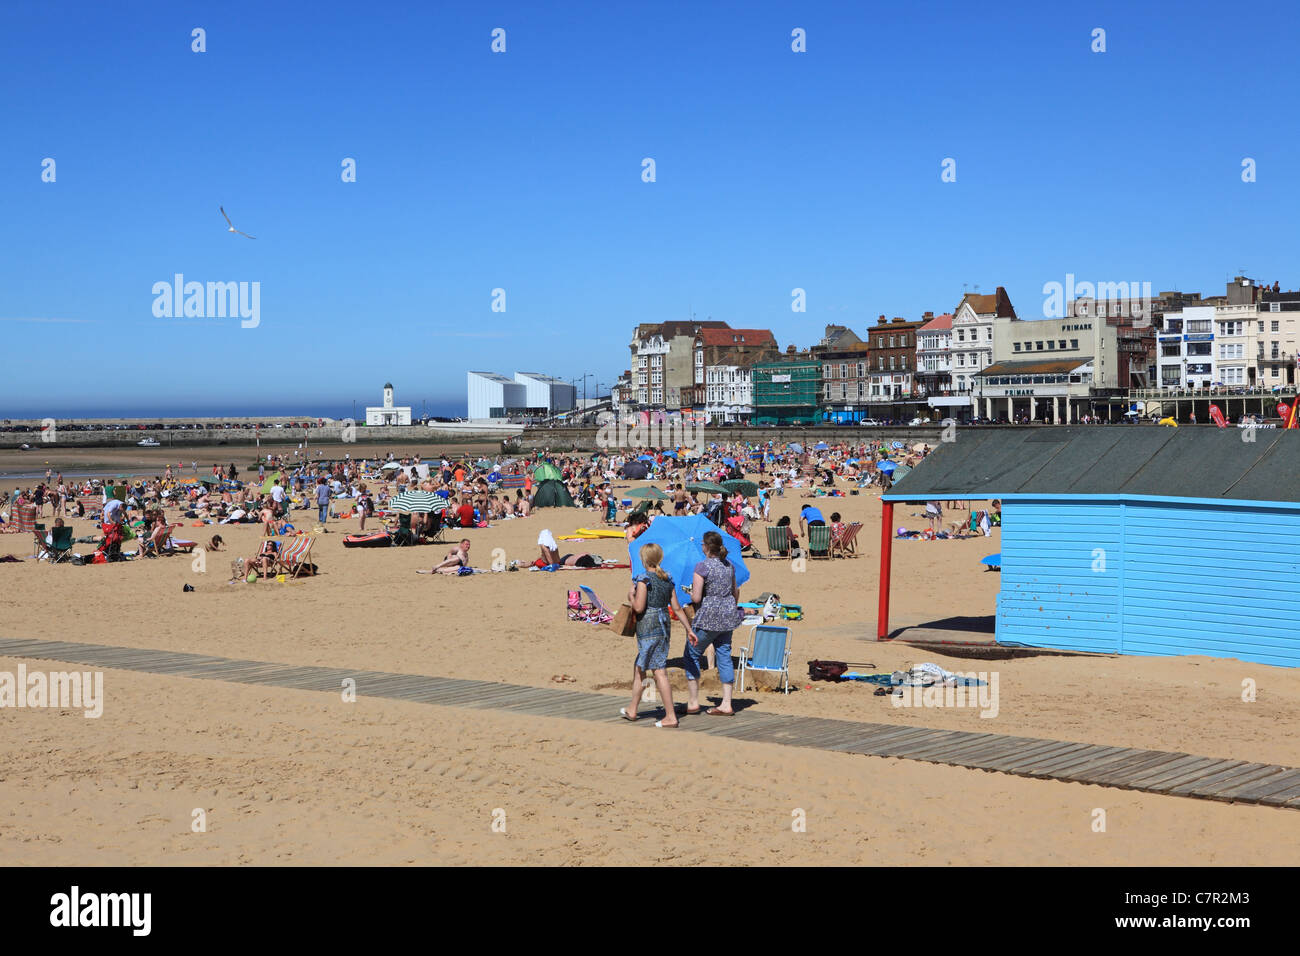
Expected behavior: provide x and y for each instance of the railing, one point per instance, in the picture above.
(1223, 391)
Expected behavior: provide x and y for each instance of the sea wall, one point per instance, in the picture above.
(329, 434)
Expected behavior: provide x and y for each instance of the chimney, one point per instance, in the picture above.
(881, 321)
(927, 317)
(898, 318)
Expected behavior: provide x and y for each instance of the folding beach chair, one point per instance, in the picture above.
(819, 541)
(846, 543)
(38, 548)
(60, 547)
(605, 613)
(778, 539)
(295, 557)
(583, 605)
(768, 651)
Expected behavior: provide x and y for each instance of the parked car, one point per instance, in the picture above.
(148, 443)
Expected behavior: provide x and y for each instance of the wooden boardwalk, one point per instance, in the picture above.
(1152, 771)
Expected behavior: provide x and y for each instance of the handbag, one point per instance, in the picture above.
(624, 621)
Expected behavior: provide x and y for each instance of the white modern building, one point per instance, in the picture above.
(1185, 349)
(388, 413)
(545, 392)
(495, 396)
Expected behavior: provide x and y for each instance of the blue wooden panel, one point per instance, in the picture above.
(1174, 577)
(1202, 581)
(1061, 575)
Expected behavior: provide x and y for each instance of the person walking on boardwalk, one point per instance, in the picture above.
(652, 594)
(714, 590)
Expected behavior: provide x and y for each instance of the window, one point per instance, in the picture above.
(881, 361)
(1016, 347)
(1272, 326)
(891, 341)
(1061, 344)
(1273, 374)
(861, 369)
(1051, 345)
(891, 361)
(1074, 343)
(961, 358)
(1038, 346)
(1261, 326)
(844, 370)
(961, 333)
(988, 335)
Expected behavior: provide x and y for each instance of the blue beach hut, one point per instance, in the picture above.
(1132, 540)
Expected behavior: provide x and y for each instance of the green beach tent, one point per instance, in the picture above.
(546, 472)
(551, 493)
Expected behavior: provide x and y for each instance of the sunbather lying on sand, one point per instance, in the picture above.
(457, 558)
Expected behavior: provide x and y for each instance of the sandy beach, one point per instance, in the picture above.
(301, 777)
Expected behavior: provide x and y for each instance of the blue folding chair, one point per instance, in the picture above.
(769, 651)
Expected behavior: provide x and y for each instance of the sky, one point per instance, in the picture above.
(523, 171)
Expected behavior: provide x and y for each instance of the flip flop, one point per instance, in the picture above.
(660, 723)
(622, 712)
(714, 712)
(695, 711)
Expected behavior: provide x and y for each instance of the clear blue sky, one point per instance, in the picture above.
(522, 170)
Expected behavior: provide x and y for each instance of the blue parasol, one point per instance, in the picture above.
(681, 540)
(886, 466)
(821, 446)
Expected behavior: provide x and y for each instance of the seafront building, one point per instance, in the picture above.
(663, 362)
(1105, 357)
(388, 413)
(724, 362)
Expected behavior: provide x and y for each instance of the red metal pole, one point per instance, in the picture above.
(886, 554)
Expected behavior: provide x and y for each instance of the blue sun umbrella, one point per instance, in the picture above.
(645, 458)
(670, 454)
(821, 446)
(886, 466)
(729, 462)
(796, 448)
(681, 540)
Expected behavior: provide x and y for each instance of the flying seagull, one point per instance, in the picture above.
(232, 225)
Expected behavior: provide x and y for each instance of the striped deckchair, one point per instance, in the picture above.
(846, 543)
(295, 557)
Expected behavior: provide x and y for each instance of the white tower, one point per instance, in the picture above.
(388, 395)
